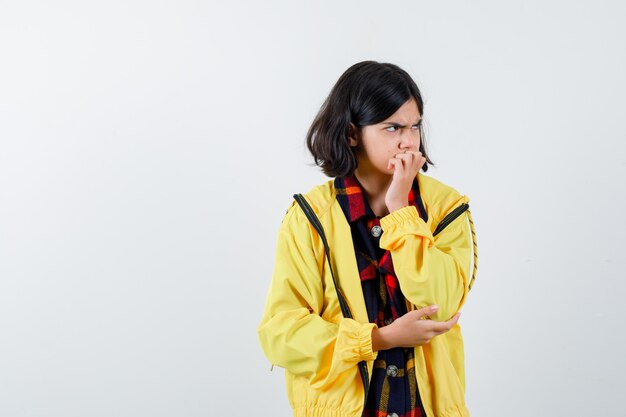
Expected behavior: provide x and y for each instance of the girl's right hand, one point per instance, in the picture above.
(411, 330)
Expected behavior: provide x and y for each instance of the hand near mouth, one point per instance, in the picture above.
(406, 166)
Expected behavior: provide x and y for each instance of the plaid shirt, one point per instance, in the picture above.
(393, 389)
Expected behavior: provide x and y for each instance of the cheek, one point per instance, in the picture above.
(384, 155)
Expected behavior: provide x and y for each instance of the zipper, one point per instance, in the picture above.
(450, 217)
(310, 214)
(366, 381)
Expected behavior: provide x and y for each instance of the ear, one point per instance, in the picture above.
(352, 135)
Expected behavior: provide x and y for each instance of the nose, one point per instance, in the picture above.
(407, 140)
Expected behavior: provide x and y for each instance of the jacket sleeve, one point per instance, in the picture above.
(430, 270)
(292, 333)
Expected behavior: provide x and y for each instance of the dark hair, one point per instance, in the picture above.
(366, 93)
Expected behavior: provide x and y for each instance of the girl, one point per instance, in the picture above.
(403, 285)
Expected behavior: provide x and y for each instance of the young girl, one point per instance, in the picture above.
(402, 278)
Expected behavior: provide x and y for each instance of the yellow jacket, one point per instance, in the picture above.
(303, 330)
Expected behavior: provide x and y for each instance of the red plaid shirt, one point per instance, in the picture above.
(393, 388)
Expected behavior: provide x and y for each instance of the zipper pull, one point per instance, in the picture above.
(272, 368)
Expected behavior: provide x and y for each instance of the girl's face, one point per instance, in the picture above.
(377, 144)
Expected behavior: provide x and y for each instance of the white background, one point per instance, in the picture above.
(149, 150)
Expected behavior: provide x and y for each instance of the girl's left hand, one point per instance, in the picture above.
(406, 166)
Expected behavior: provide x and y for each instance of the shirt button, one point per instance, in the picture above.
(377, 231)
(392, 370)
(392, 415)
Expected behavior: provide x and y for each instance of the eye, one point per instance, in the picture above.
(391, 127)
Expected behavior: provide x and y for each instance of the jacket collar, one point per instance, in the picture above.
(354, 204)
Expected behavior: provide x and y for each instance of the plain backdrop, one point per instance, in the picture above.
(149, 149)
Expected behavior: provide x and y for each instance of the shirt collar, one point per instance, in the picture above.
(354, 204)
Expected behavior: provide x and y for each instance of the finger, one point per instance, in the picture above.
(406, 156)
(418, 157)
(425, 311)
(455, 319)
(445, 326)
(414, 152)
(421, 162)
(393, 163)
(418, 162)
(413, 159)
(398, 165)
(440, 327)
(407, 160)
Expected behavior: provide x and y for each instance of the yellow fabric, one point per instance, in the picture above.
(303, 330)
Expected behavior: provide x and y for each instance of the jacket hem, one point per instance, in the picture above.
(323, 412)
(310, 411)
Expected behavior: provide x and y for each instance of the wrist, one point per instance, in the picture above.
(397, 205)
(381, 339)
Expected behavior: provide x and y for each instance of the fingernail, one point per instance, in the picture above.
(435, 307)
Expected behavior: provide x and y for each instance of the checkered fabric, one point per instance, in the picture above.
(393, 388)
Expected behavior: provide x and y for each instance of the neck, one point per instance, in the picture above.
(375, 186)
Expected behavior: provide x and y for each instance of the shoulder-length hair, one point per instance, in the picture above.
(366, 93)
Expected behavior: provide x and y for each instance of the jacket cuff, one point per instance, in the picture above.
(356, 340)
(365, 342)
(402, 222)
(401, 215)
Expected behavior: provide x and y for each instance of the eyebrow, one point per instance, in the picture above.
(399, 125)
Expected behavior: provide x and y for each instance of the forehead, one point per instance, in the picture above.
(407, 113)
